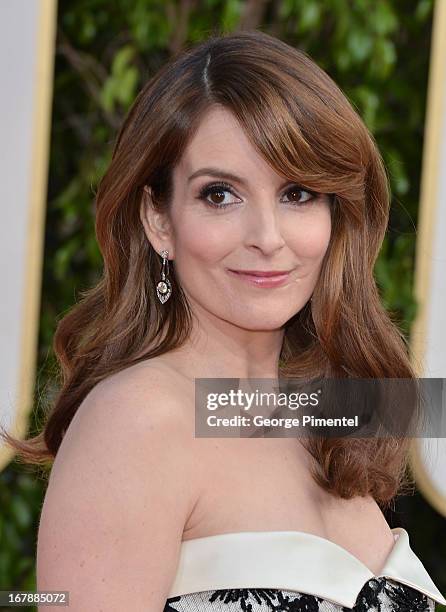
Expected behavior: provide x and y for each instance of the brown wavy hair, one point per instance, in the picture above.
(306, 129)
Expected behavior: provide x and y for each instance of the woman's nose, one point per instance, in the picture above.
(263, 229)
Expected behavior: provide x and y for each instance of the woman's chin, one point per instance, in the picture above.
(257, 323)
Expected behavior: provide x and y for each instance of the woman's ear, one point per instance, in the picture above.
(156, 224)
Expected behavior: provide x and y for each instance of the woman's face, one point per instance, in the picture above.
(256, 221)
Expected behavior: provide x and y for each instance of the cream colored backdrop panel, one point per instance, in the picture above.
(27, 32)
(428, 458)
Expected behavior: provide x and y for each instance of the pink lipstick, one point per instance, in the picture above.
(262, 278)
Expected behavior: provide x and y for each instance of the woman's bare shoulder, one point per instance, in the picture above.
(120, 493)
(143, 395)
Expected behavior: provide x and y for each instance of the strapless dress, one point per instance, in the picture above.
(294, 571)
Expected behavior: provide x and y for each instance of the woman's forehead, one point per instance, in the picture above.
(217, 128)
(221, 143)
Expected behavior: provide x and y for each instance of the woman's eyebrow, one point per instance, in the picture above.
(217, 173)
(224, 174)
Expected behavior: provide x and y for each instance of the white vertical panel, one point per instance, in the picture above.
(27, 31)
(429, 331)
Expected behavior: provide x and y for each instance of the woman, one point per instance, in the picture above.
(239, 222)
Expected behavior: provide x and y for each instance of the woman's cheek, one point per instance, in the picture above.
(312, 239)
(207, 239)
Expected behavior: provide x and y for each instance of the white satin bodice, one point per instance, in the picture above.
(241, 564)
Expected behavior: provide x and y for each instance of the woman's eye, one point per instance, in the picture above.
(217, 193)
(295, 194)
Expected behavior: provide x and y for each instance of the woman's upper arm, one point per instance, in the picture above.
(120, 492)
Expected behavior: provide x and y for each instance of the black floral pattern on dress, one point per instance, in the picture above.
(368, 597)
(243, 596)
(377, 595)
(405, 596)
(171, 600)
(303, 603)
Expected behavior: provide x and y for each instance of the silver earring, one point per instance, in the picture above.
(163, 287)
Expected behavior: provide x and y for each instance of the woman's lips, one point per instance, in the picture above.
(262, 279)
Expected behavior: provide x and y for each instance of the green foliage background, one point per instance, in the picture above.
(376, 50)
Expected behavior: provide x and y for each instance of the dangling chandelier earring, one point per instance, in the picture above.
(163, 287)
